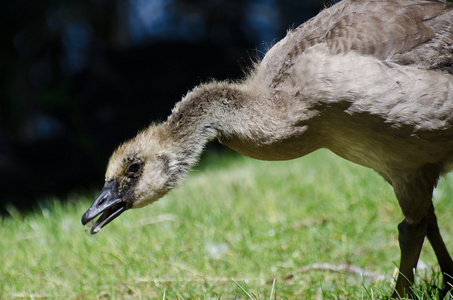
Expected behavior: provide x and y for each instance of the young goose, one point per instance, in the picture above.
(370, 80)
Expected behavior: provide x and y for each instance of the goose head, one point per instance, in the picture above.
(139, 172)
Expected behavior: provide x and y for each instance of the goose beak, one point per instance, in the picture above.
(106, 204)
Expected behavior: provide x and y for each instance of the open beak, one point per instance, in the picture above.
(106, 204)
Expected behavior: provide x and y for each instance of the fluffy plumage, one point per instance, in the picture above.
(370, 80)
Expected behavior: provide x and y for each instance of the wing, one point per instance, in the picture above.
(381, 28)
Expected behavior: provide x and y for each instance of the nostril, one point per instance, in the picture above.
(102, 201)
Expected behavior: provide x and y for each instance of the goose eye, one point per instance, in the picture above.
(133, 169)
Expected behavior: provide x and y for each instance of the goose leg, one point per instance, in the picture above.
(444, 259)
(411, 237)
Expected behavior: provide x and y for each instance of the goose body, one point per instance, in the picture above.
(372, 81)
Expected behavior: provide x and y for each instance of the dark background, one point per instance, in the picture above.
(78, 77)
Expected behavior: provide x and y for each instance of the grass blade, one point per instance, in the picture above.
(248, 295)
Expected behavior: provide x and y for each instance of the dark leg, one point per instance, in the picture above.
(445, 261)
(411, 237)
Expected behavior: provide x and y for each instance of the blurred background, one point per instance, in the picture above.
(78, 77)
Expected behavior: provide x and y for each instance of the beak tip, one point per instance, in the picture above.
(85, 218)
(95, 229)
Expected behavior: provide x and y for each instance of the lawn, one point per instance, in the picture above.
(312, 228)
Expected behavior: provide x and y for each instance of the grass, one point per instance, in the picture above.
(236, 229)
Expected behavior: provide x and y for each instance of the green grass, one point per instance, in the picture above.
(236, 229)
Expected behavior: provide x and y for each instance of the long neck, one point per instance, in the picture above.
(201, 116)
